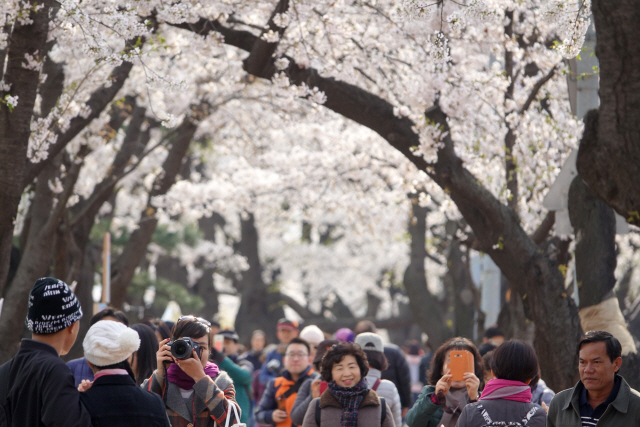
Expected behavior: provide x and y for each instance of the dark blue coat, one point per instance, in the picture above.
(116, 401)
(81, 370)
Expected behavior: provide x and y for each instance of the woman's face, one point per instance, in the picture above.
(203, 342)
(346, 373)
(445, 367)
(258, 342)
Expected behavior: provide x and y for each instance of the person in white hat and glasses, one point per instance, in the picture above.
(113, 399)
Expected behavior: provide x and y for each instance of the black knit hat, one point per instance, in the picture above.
(52, 307)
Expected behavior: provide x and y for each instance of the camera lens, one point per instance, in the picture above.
(181, 349)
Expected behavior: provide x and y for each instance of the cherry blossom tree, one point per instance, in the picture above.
(471, 95)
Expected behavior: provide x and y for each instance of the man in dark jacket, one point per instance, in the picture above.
(398, 371)
(42, 392)
(277, 401)
(601, 396)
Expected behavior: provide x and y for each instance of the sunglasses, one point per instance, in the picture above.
(197, 319)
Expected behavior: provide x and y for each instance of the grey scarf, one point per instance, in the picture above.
(455, 401)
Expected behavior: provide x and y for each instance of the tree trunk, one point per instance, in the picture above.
(37, 253)
(463, 291)
(595, 229)
(609, 154)
(84, 293)
(424, 306)
(15, 126)
(260, 306)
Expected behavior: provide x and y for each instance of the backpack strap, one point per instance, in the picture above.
(318, 412)
(383, 410)
(376, 384)
(293, 389)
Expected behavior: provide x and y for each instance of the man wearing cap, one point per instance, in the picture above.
(240, 371)
(40, 388)
(374, 349)
(286, 331)
(398, 371)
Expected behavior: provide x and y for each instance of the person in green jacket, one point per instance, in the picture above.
(240, 371)
(442, 401)
(601, 397)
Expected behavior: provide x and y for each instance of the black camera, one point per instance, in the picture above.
(182, 348)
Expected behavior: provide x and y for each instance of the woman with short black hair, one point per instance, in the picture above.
(507, 398)
(347, 401)
(195, 392)
(442, 401)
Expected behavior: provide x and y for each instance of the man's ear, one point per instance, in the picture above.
(71, 329)
(617, 363)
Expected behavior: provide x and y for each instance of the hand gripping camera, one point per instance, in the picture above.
(182, 348)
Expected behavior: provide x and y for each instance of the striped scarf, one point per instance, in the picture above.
(350, 398)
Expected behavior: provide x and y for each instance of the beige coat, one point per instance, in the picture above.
(331, 411)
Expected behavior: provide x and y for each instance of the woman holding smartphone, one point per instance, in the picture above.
(194, 391)
(442, 401)
(507, 398)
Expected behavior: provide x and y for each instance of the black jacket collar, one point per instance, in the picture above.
(28, 345)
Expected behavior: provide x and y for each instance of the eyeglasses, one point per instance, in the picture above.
(197, 319)
(297, 355)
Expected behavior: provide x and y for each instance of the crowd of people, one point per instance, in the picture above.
(191, 373)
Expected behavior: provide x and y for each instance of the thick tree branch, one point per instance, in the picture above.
(304, 312)
(98, 101)
(103, 190)
(260, 60)
(541, 233)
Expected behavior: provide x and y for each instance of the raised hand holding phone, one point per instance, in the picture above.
(461, 362)
(444, 384)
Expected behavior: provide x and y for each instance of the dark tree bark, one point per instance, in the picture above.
(609, 154)
(83, 292)
(259, 305)
(37, 253)
(512, 319)
(595, 229)
(15, 126)
(464, 291)
(426, 309)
